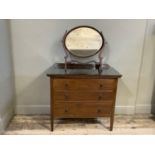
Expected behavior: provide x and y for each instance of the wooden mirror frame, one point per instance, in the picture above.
(68, 53)
(90, 27)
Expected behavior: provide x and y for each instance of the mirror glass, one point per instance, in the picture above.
(83, 41)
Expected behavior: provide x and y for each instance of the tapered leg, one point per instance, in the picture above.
(52, 123)
(51, 104)
(111, 122)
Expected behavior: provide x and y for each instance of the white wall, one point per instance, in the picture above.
(6, 76)
(146, 89)
(37, 45)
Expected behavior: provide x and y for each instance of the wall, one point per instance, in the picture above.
(6, 76)
(145, 93)
(37, 45)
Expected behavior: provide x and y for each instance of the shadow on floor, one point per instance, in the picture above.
(43, 123)
(80, 122)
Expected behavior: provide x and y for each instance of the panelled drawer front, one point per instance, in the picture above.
(80, 109)
(84, 84)
(83, 96)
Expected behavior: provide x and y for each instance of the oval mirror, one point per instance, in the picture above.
(83, 41)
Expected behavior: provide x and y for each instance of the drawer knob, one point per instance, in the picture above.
(101, 85)
(66, 110)
(98, 111)
(100, 97)
(66, 85)
(66, 97)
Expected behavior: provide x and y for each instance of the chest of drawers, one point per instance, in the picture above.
(75, 95)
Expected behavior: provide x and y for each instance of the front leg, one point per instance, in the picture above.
(52, 123)
(111, 122)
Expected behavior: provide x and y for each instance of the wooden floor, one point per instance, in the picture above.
(40, 124)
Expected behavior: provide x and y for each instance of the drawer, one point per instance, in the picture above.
(90, 109)
(80, 109)
(84, 84)
(62, 104)
(83, 96)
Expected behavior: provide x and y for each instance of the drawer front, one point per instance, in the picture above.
(80, 109)
(83, 96)
(84, 84)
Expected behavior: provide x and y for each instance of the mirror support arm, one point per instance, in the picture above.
(100, 56)
(66, 54)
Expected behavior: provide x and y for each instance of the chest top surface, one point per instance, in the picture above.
(83, 70)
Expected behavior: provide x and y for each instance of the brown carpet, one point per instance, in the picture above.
(40, 124)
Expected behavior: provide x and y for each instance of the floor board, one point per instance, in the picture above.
(40, 124)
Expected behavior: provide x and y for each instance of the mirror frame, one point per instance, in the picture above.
(82, 26)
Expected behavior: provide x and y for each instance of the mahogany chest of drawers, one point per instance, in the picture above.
(83, 93)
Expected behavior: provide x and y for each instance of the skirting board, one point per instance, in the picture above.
(45, 109)
(5, 119)
(1, 126)
(145, 109)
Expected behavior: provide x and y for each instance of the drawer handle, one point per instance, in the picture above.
(100, 97)
(66, 110)
(66, 97)
(101, 85)
(66, 85)
(98, 111)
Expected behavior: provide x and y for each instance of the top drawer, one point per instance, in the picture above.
(84, 84)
